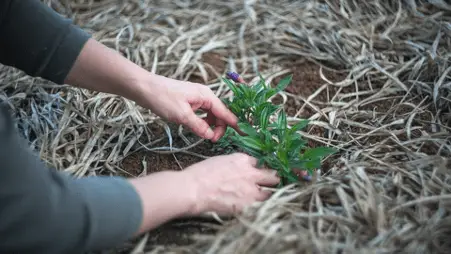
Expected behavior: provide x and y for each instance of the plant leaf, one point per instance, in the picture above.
(281, 125)
(283, 83)
(273, 144)
(299, 126)
(318, 152)
(290, 176)
(232, 86)
(260, 96)
(269, 93)
(248, 129)
(268, 137)
(297, 164)
(264, 118)
(262, 80)
(296, 146)
(312, 164)
(251, 142)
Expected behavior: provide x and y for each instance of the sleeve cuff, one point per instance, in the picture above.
(64, 56)
(116, 210)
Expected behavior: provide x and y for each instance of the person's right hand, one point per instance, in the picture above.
(226, 184)
(223, 184)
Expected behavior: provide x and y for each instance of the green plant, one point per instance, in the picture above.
(274, 144)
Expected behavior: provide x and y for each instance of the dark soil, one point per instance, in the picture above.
(214, 65)
(305, 82)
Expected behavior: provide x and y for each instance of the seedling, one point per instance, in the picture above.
(274, 144)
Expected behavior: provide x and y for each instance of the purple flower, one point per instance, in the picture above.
(233, 76)
(307, 178)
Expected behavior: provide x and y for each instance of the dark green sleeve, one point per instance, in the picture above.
(37, 40)
(45, 211)
(42, 210)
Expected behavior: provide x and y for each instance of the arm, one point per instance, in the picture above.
(54, 49)
(40, 42)
(92, 212)
(50, 212)
(43, 44)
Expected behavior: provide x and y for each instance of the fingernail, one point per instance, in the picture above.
(210, 134)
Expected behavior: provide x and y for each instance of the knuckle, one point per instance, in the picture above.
(207, 93)
(206, 89)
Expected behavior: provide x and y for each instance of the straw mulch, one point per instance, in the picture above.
(387, 191)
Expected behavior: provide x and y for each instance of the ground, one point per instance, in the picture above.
(306, 80)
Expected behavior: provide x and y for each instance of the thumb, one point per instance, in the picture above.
(199, 126)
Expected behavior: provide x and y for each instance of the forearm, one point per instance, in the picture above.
(102, 69)
(43, 44)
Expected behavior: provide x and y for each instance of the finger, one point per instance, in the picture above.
(219, 132)
(220, 129)
(220, 126)
(262, 194)
(267, 177)
(199, 126)
(220, 111)
(244, 159)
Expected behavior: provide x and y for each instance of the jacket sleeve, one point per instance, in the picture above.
(37, 40)
(46, 211)
(43, 210)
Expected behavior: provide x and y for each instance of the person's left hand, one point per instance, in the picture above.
(176, 101)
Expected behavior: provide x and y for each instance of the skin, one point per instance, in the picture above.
(102, 69)
(222, 184)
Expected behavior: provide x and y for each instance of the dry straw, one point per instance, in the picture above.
(388, 191)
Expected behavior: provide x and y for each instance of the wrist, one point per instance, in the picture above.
(164, 196)
(187, 193)
(140, 88)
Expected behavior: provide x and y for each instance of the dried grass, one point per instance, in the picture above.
(389, 189)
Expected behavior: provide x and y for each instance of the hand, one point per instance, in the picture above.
(227, 184)
(223, 184)
(102, 69)
(176, 101)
